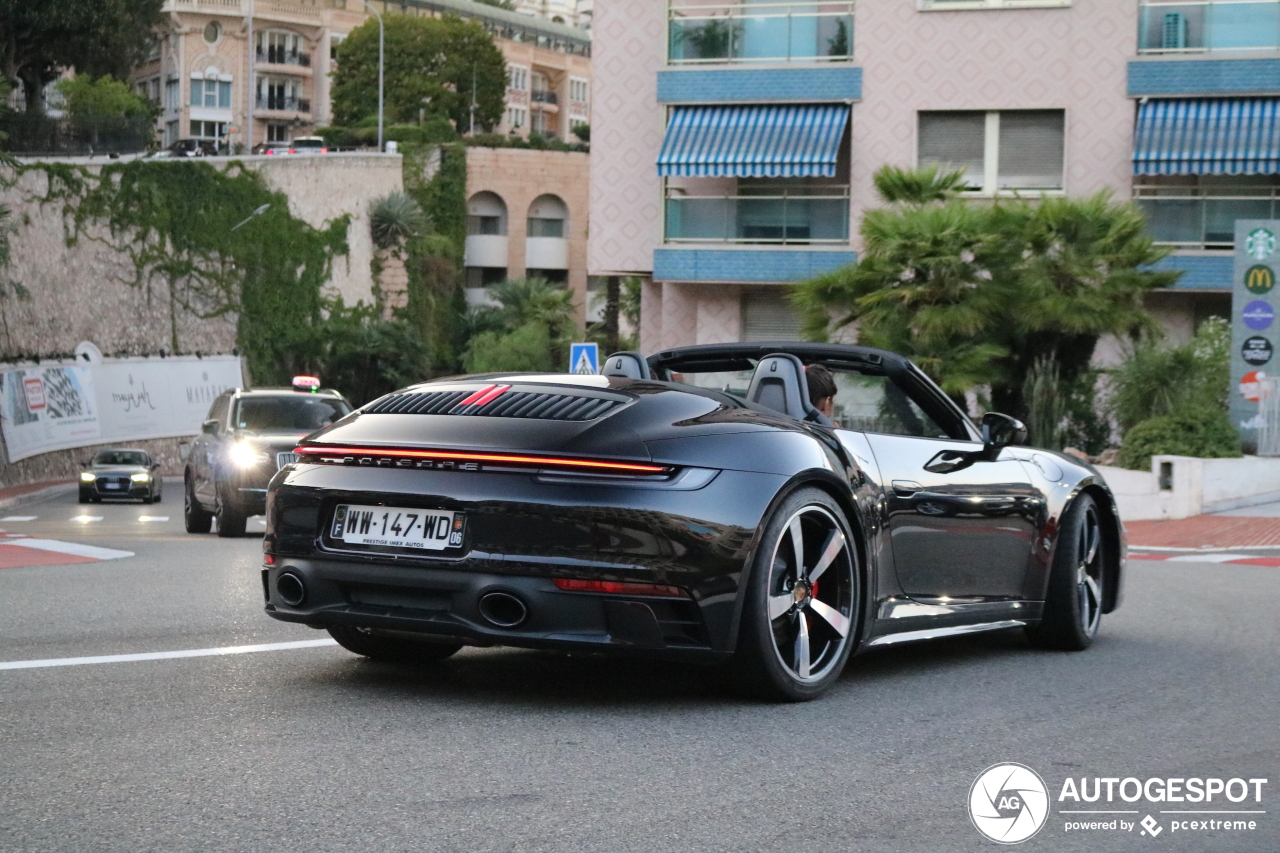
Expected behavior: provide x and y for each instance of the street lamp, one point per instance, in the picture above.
(261, 209)
(381, 47)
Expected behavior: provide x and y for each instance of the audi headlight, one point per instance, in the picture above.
(246, 455)
(140, 478)
(87, 477)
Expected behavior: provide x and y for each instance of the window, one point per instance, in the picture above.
(768, 315)
(172, 94)
(516, 117)
(208, 129)
(866, 403)
(212, 32)
(578, 90)
(999, 152)
(546, 217)
(277, 132)
(517, 78)
(214, 94)
(281, 48)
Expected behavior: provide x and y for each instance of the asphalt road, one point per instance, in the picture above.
(316, 750)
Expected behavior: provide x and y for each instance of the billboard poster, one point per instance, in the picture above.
(1254, 301)
(54, 408)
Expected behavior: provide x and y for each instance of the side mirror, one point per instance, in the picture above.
(210, 427)
(999, 431)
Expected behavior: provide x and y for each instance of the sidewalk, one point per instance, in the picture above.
(1253, 527)
(14, 495)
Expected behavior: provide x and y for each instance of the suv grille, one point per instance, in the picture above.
(513, 404)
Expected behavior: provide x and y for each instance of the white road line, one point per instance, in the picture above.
(74, 548)
(153, 518)
(19, 518)
(185, 653)
(1208, 558)
(86, 518)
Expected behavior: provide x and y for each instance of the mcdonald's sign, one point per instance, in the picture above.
(1259, 279)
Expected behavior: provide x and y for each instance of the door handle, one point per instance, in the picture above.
(906, 488)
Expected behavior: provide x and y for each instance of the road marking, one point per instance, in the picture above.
(19, 518)
(86, 518)
(1208, 558)
(74, 548)
(1224, 559)
(185, 653)
(153, 518)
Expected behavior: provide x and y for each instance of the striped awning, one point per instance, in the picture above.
(1229, 136)
(800, 141)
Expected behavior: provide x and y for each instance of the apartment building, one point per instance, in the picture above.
(735, 142)
(200, 70)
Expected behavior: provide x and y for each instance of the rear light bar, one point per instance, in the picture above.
(326, 453)
(620, 587)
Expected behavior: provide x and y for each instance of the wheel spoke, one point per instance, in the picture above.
(1094, 592)
(797, 542)
(802, 647)
(835, 544)
(779, 605)
(1090, 541)
(831, 616)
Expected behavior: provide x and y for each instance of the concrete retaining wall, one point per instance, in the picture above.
(1183, 486)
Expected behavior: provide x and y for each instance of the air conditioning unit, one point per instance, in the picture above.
(1173, 34)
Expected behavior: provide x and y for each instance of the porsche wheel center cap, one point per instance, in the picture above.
(801, 593)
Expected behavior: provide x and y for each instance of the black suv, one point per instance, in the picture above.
(248, 436)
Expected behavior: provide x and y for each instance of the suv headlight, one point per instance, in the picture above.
(246, 455)
(87, 477)
(140, 478)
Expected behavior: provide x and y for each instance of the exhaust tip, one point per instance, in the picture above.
(291, 589)
(503, 609)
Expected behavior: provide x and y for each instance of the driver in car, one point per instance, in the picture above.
(822, 392)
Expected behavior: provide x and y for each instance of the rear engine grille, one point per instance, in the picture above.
(513, 404)
(283, 459)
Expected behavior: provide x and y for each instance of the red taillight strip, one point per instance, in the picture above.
(494, 394)
(477, 395)
(619, 587)
(319, 449)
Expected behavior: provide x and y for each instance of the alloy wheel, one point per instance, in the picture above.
(1089, 572)
(811, 594)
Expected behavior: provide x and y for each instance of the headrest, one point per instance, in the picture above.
(632, 365)
(779, 384)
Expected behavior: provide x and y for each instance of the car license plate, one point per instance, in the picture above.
(111, 485)
(398, 527)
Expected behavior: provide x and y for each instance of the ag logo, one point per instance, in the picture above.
(1260, 244)
(1008, 803)
(1259, 279)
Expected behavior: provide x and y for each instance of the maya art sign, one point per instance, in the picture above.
(64, 406)
(1254, 304)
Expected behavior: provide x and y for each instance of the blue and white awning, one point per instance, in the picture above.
(1229, 136)
(800, 141)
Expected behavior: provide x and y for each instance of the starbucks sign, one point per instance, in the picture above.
(1254, 302)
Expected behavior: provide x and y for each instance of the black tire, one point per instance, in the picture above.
(147, 499)
(798, 626)
(84, 497)
(230, 515)
(1073, 601)
(372, 644)
(193, 515)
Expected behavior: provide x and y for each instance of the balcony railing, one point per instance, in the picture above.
(280, 56)
(777, 218)
(774, 32)
(1203, 218)
(273, 102)
(1197, 26)
(305, 8)
(543, 96)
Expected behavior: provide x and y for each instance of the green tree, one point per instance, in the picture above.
(432, 64)
(976, 293)
(39, 40)
(530, 328)
(103, 97)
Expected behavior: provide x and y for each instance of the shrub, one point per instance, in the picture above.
(1204, 431)
(1156, 380)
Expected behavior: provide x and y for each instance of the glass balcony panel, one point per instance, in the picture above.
(1174, 220)
(1243, 26)
(750, 219)
(1220, 217)
(1212, 25)
(709, 219)
(756, 31)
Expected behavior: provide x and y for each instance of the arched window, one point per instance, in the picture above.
(486, 214)
(548, 216)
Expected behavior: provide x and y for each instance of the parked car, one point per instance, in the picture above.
(310, 145)
(194, 148)
(121, 472)
(247, 437)
(646, 511)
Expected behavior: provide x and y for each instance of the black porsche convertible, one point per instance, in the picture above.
(692, 505)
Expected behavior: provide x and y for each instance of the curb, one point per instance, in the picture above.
(37, 494)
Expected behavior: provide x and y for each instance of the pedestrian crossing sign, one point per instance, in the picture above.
(584, 358)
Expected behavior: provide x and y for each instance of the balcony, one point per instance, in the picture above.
(1199, 26)
(777, 32)
(775, 216)
(279, 56)
(1203, 217)
(300, 8)
(544, 96)
(284, 104)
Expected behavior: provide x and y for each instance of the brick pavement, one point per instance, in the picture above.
(1206, 531)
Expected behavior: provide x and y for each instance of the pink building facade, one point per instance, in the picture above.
(1031, 97)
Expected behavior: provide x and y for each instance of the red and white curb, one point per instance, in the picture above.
(21, 551)
(1210, 557)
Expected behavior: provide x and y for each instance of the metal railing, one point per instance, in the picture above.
(1203, 217)
(758, 32)
(543, 96)
(260, 7)
(287, 104)
(779, 217)
(280, 56)
(1197, 26)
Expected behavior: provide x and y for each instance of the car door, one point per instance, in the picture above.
(960, 527)
(205, 450)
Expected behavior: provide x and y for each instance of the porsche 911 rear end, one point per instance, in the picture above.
(529, 513)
